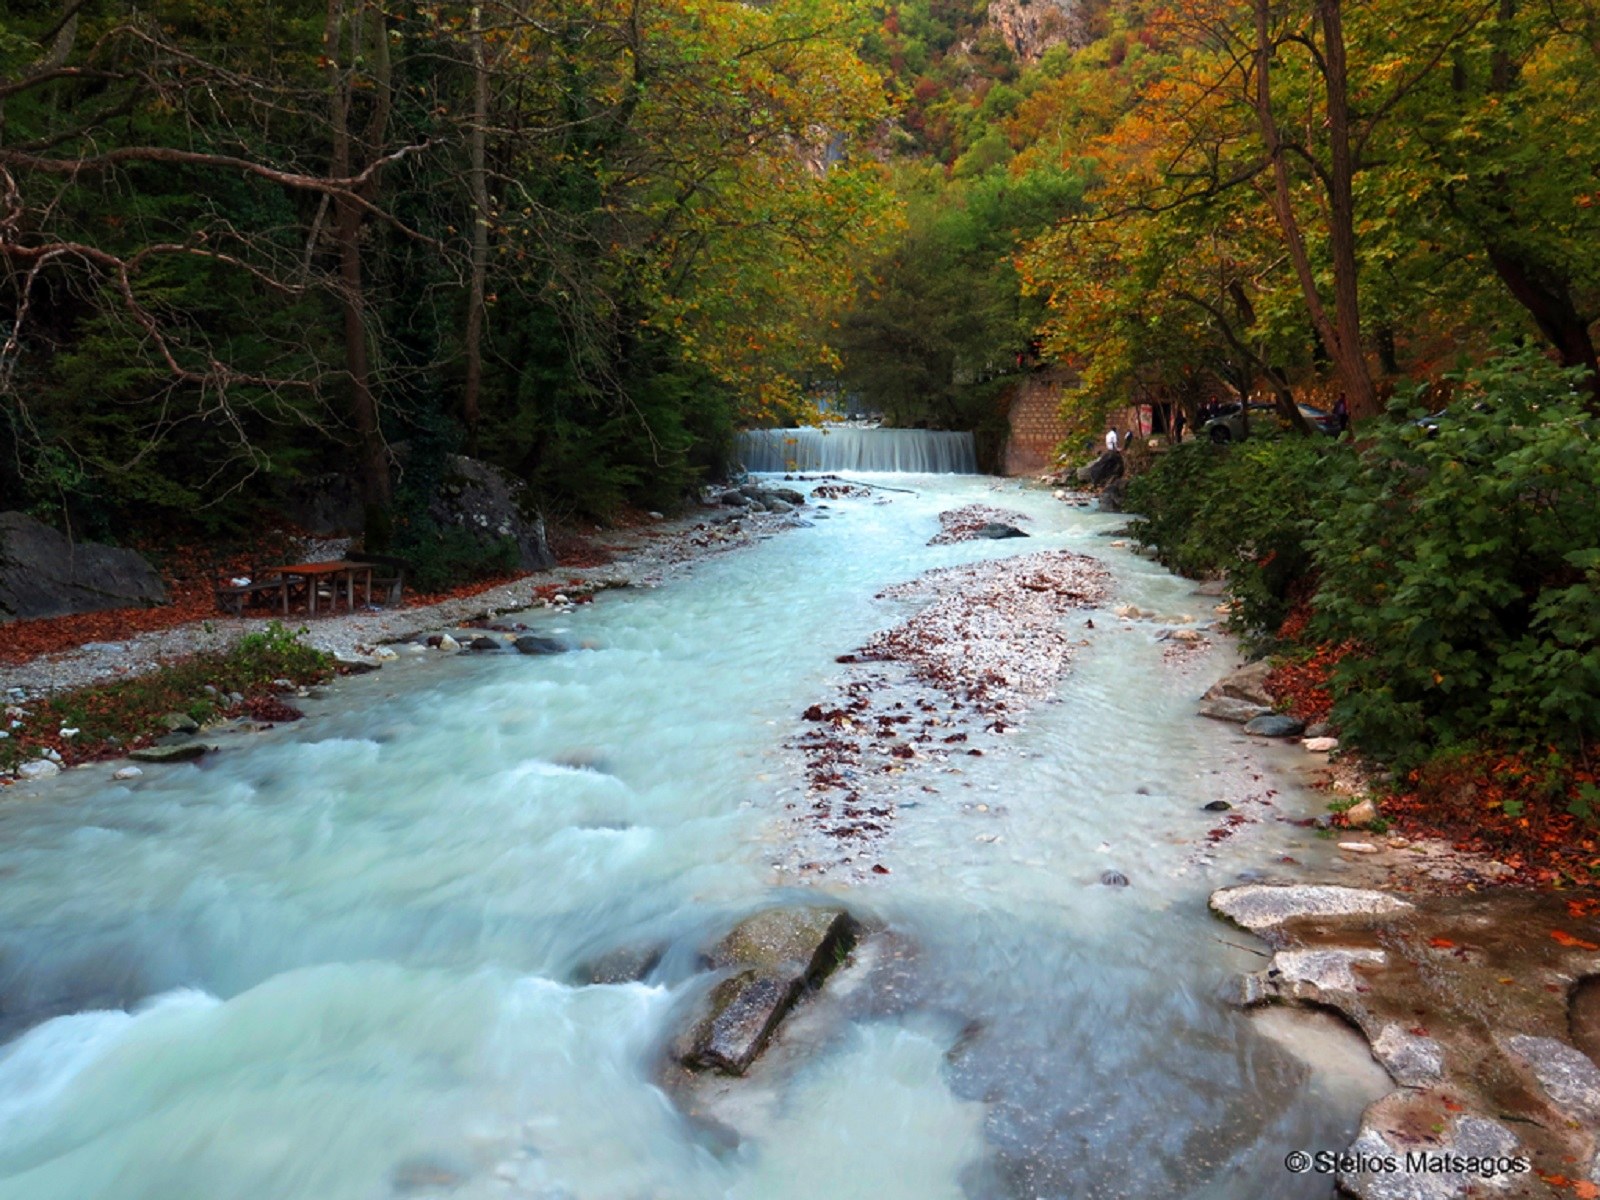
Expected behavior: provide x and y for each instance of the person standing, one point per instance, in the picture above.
(1111, 441)
(1341, 413)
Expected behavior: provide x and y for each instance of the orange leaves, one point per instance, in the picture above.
(1572, 943)
(1441, 943)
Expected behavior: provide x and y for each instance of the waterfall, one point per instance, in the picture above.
(922, 451)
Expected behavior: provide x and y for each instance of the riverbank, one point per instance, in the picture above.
(645, 556)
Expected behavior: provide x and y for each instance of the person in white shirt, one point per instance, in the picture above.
(1111, 439)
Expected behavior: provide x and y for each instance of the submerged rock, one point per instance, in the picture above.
(531, 644)
(997, 530)
(625, 964)
(1114, 879)
(180, 752)
(1275, 725)
(485, 643)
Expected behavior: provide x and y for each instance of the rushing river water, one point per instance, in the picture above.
(339, 961)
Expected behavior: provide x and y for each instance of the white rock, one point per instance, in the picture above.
(1329, 970)
(126, 773)
(39, 768)
(385, 654)
(67, 731)
(1262, 905)
(448, 644)
(1358, 847)
(1362, 814)
(1321, 745)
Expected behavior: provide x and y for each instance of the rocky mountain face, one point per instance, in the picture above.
(1030, 27)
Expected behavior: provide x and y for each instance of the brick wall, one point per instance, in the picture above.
(1036, 429)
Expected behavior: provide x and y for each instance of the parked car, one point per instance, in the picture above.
(1229, 425)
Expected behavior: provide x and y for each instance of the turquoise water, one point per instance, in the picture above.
(342, 961)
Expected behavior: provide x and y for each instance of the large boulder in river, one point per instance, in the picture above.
(774, 957)
(44, 574)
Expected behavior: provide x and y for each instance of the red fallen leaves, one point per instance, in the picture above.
(1303, 686)
(271, 709)
(1441, 943)
(1493, 803)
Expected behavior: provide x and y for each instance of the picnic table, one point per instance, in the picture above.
(314, 575)
(279, 585)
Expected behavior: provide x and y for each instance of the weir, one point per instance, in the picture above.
(923, 451)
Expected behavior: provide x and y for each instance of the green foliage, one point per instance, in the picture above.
(113, 716)
(1242, 511)
(1462, 563)
(442, 557)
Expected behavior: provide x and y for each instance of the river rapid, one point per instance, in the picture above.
(342, 961)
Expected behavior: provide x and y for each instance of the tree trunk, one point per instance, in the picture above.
(480, 235)
(371, 456)
(1340, 330)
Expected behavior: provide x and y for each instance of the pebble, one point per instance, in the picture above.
(126, 773)
(1320, 745)
(1358, 847)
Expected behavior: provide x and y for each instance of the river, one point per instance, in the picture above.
(341, 961)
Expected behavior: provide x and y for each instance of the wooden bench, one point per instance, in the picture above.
(236, 597)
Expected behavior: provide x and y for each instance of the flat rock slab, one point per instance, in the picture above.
(1412, 1060)
(1471, 1002)
(744, 1013)
(182, 752)
(1262, 906)
(1332, 970)
(1567, 1076)
(1227, 708)
(996, 531)
(808, 942)
(1420, 1172)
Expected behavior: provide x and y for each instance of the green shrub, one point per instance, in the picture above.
(441, 557)
(1243, 511)
(1464, 563)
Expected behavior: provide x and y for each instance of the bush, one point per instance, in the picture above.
(1242, 511)
(441, 557)
(1464, 563)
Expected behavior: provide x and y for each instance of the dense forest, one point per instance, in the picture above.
(243, 244)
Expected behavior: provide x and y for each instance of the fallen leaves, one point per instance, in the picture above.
(1571, 942)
